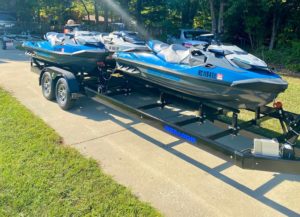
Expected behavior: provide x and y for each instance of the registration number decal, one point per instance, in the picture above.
(211, 75)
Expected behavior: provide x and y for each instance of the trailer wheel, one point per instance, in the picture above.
(63, 95)
(47, 86)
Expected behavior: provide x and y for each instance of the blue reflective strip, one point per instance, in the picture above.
(179, 134)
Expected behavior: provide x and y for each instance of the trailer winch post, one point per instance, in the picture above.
(257, 116)
(201, 113)
(234, 125)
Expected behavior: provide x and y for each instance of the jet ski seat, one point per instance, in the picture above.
(157, 46)
(173, 53)
(60, 39)
(55, 38)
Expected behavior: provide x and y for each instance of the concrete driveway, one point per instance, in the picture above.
(175, 177)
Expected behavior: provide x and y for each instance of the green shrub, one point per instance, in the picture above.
(287, 57)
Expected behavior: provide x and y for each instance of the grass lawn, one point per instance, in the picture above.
(41, 177)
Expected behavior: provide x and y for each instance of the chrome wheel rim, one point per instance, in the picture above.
(61, 93)
(47, 85)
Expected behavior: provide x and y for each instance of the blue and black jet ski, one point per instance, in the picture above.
(222, 74)
(64, 51)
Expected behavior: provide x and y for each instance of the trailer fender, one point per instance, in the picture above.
(40, 73)
(57, 73)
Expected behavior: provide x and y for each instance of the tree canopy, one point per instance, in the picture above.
(254, 23)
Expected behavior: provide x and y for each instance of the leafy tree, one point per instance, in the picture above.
(255, 23)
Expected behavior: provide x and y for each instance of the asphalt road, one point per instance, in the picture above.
(175, 177)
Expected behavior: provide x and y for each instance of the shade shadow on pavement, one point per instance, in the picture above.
(13, 55)
(88, 109)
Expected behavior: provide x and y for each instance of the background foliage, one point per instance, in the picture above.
(270, 28)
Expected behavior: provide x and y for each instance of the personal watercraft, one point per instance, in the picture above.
(77, 37)
(64, 51)
(123, 41)
(222, 74)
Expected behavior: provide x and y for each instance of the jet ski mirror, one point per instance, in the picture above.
(71, 36)
(196, 53)
(109, 41)
(197, 58)
(217, 51)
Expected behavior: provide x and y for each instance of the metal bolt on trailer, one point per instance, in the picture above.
(208, 129)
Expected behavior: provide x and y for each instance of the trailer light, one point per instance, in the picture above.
(287, 151)
(278, 105)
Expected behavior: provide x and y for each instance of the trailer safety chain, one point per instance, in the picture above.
(290, 126)
(293, 132)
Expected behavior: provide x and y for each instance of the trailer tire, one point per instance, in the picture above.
(63, 95)
(48, 86)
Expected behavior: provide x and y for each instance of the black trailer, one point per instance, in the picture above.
(202, 124)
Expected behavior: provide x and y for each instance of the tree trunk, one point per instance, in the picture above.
(38, 14)
(105, 8)
(221, 17)
(139, 6)
(96, 11)
(251, 40)
(85, 8)
(193, 11)
(185, 13)
(125, 6)
(271, 45)
(213, 17)
(275, 23)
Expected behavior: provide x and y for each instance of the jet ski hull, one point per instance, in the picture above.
(204, 83)
(84, 60)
